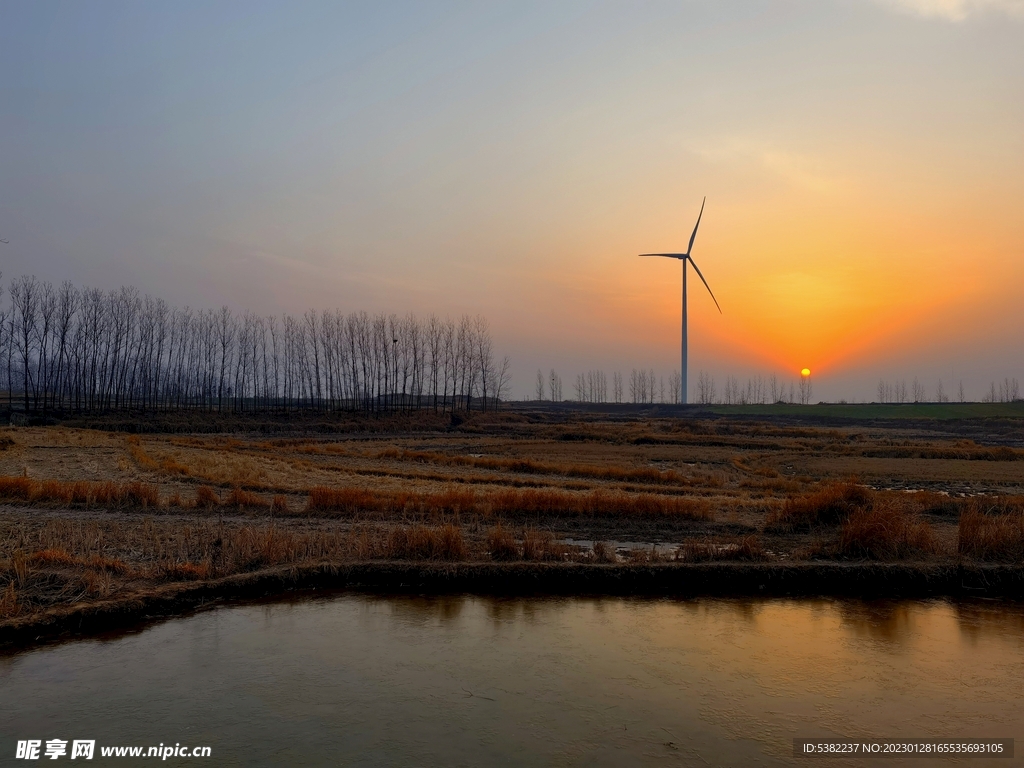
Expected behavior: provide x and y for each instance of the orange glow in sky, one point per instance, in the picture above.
(862, 163)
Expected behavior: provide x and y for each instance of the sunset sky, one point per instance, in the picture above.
(863, 162)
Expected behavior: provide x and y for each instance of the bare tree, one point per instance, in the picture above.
(1009, 390)
(540, 385)
(919, 393)
(674, 386)
(580, 387)
(503, 380)
(617, 386)
(555, 386)
(25, 301)
(705, 388)
(805, 390)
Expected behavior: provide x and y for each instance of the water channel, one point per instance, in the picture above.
(397, 680)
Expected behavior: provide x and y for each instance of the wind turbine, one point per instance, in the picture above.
(684, 257)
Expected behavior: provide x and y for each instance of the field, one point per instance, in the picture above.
(104, 517)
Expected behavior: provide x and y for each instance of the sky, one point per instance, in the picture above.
(863, 163)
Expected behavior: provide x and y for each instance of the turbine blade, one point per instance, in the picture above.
(705, 283)
(690, 246)
(667, 255)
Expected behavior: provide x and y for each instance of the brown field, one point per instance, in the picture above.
(89, 515)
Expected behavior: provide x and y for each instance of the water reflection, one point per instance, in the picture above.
(886, 620)
(466, 680)
(982, 618)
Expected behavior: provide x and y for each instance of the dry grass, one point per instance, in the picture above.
(533, 545)
(64, 558)
(80, 493)
(597, 503)
(54, 556)
(830, 504)
(530, 466)
(185, 571)
(344, 501)
(508, 503)
(206, 497)
(242, 499)
(17, 488)
(425, 543)
(218, 466)
(541, 545)
(706, 550)
(602, 552)
(9, 606)
(993, 531)
(500, 490)
(501, 544)
(889, 530)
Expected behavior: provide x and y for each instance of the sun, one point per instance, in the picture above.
(805, 372)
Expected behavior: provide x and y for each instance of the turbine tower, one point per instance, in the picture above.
(684, 257)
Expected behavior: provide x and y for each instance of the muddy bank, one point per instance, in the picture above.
(853, 580)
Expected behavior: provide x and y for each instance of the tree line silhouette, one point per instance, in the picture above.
(83, 349)
(1006, 391)
(644, 386)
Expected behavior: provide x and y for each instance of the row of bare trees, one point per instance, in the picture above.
(898, 392)
(66, 348)
(592, 387)
(1006, 391)
(759, 390)
(644, 386)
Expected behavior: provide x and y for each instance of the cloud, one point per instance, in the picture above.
(956, 10)
(796, 168)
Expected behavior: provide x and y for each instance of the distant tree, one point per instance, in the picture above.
(756, 390)
(960, 393)
(555, 385)
(805, 390)
(617, 386)
(919, 394)
(674, 386)
(1009, 390)
(24, 301)
(540, 385)
(732, 394)
(597, 382)
(503, 380)
(705, 388)
(940, 393)
(581, 387)
(636, 389)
